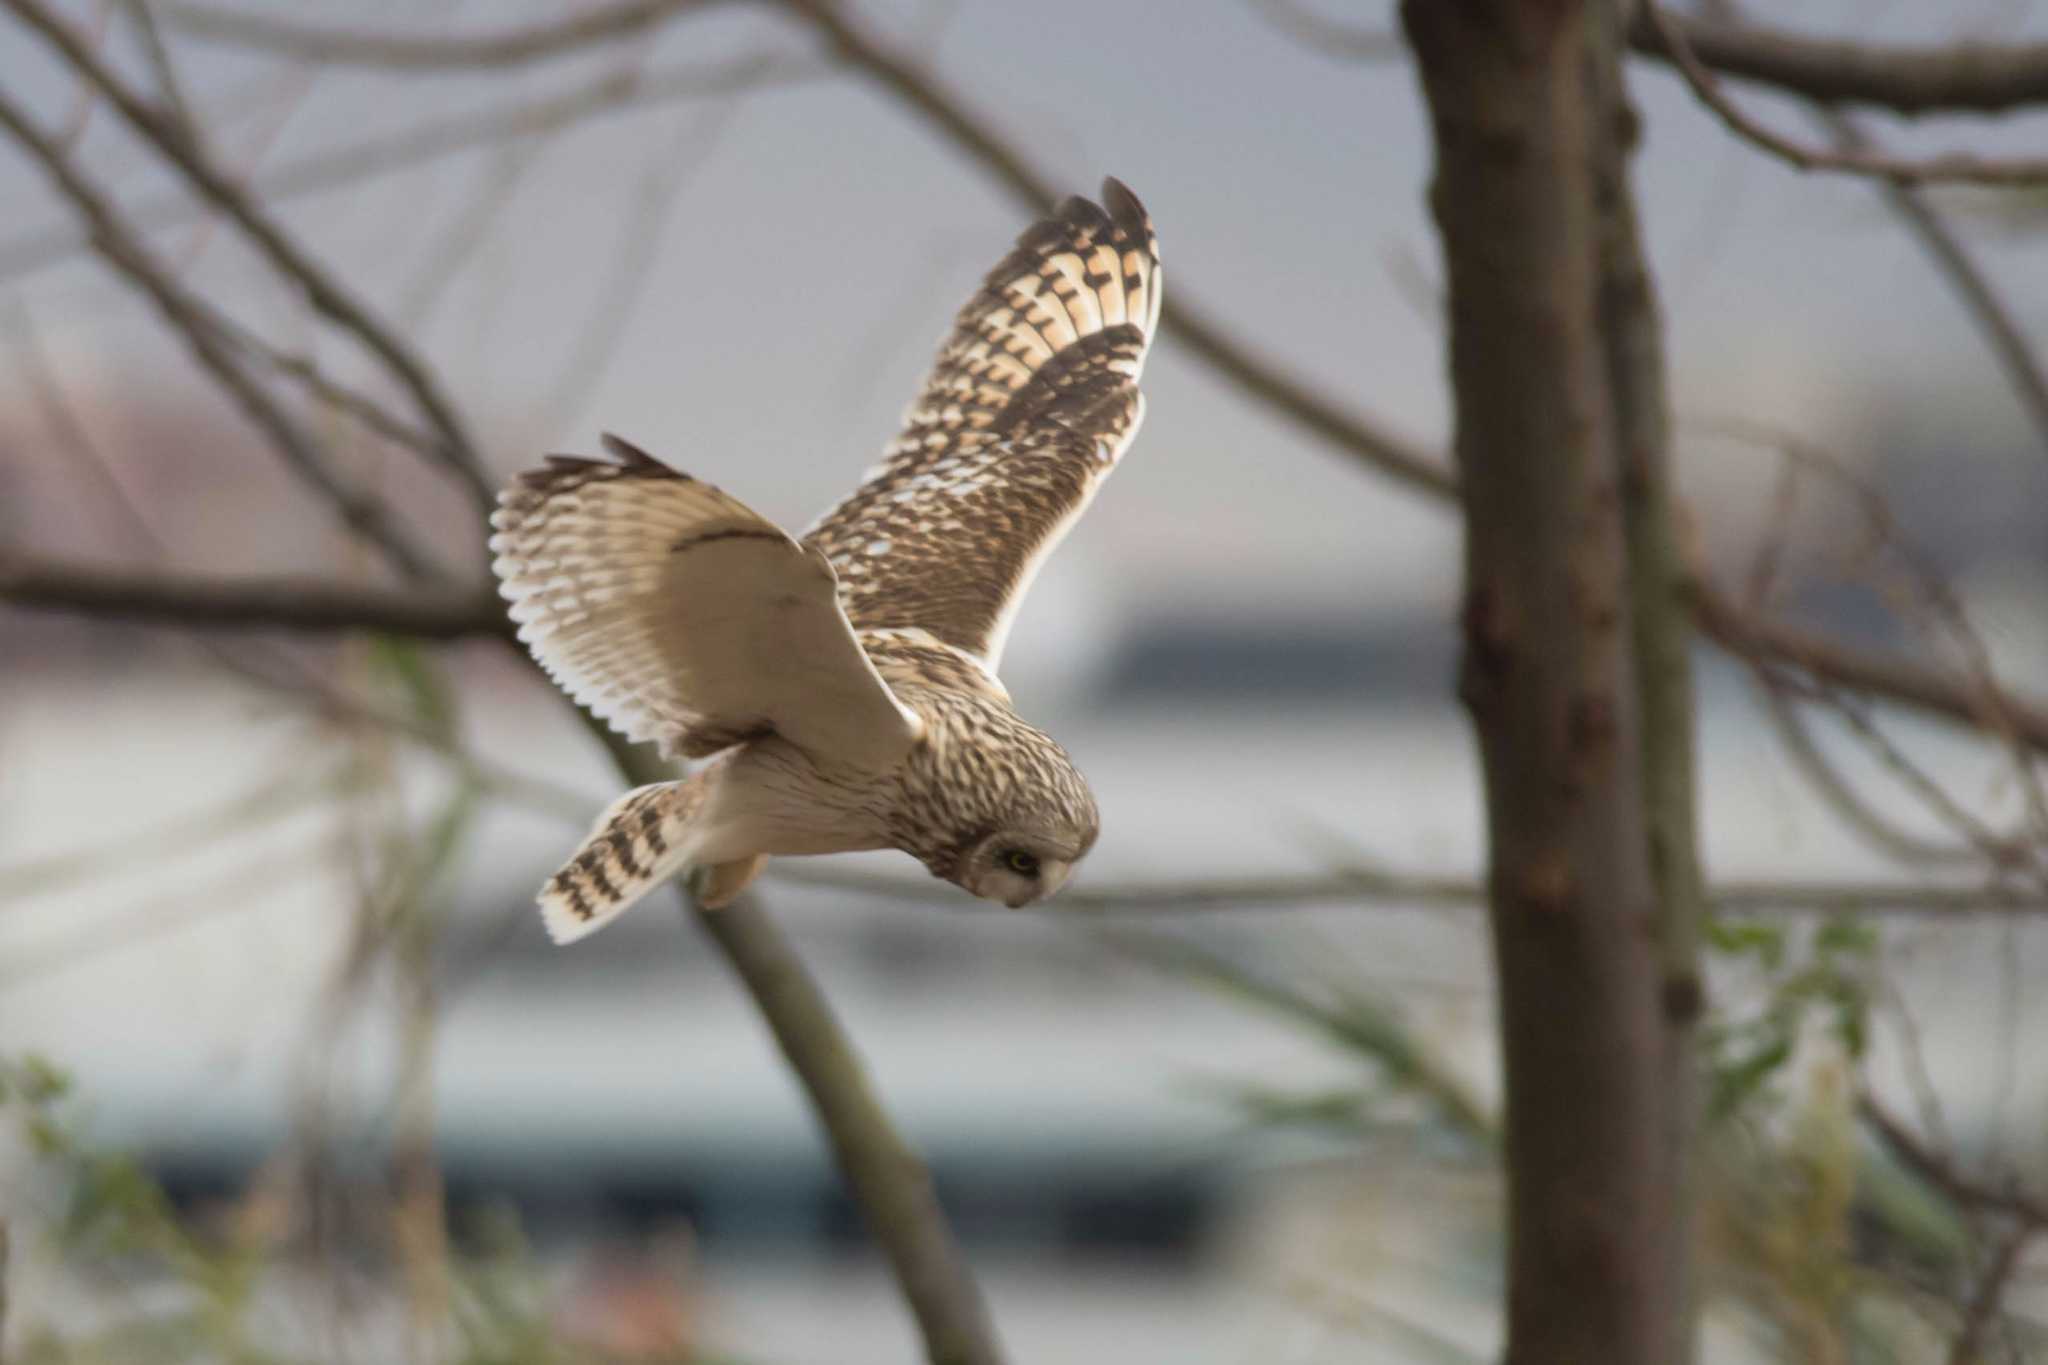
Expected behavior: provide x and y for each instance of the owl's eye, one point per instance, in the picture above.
(1022, 863)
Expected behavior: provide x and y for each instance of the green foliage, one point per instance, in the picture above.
(1818, 980)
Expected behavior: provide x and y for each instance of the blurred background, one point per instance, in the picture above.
(285, 952)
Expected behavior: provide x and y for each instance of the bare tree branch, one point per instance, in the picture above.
(156, 597)
(2009, 345)
(1360, 888)
(1331, 38)
(1938, 1171)
(486, 52)
(1841, 796)
(1895, 680)
(328, 296)
(192, 322)
(889, 1182)
(1962, 78)
(1953, 166)
(169, 88)
(1991, 1286)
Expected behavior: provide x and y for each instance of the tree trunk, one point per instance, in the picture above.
(1550, 680)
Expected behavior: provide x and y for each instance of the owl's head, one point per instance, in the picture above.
(1023, 864)
(1017, 814)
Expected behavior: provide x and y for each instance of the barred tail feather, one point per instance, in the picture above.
(635, 846)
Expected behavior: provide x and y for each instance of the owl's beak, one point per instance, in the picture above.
(1052, 875)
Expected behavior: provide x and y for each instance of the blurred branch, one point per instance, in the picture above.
(1991, 1286)
(612, 93)
(362, 408)
(1755, 636)
(888, 1180)
(192, 321)
(615, 301)
(1963, 77)
(1953, 166)
(1327, 37)
(1938, 1171)
(1841, 795)
(2009, 344)
(341, 47)
(157, 597)
(169, 88)
(1360, 887)
(327, 295)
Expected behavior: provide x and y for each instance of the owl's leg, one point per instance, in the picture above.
(640, 841)
(719, 885)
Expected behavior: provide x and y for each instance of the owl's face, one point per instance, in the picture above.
(1021, 866)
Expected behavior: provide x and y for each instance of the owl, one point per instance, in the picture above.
(841, 686)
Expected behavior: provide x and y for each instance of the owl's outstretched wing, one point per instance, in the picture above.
(681, 617)
(1033, 399)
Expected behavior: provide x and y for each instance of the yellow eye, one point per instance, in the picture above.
(1022, 863)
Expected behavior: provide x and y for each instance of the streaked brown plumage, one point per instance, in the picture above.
(846, 682)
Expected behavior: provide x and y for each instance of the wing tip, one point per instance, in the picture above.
(635, 458)
(1123, 205)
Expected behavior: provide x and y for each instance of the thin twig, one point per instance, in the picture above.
(1327, 37)
(191, 320)
(673, 164)
(1983, 1306)
(367, 411)
(427, 52)
(1962, 77)
(1841, 795)
(2001, 332)
(1945, 616)
(612, 93)
(1938, 1171)
(160, 597)
(1748, 636)
(169, 88)
(328, 295)
(1949, 167)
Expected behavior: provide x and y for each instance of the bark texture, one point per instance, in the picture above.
(1550, 680)
(1632, 336)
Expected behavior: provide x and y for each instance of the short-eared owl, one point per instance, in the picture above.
(843, 684)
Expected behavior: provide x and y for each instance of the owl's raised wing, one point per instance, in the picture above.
(1033, 399)
(681, 617)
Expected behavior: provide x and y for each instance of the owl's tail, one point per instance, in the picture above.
(636, 845)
